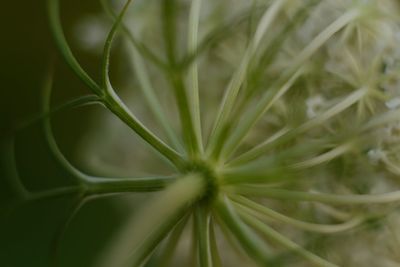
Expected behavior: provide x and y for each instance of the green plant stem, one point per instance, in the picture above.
(56, 27)
(250, 242)
(111, 100)
(269, 98)
(151, 98)
(216, 259)
(258, 209)
(154, 221)
(163, 258)
(189, 132)
(74, 103)
(194, 18)
(238, 78)
(175, 77)
(116, 106)
(114, 103)
(288, 134)
(251, 117)
(284, 241)
(202, 233)
(144, 50)
(337, 199)
(107, 50)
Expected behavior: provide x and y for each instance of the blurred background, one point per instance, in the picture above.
(29, 232)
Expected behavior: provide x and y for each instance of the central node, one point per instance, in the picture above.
(207, 172)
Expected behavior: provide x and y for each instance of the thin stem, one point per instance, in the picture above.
(239, 77)
(250, 242)
(194, 19)
(174, 75)
(56, 27)
(287, 135)
(116, 106)
(185, 114)
(151, 97)
(154, 221)
(94, 184)
(138, 45)
(253, 115)
(268, 98)
(258, 209)
(325, 157)
(58, 238)
(107, 49)
(163, 258)
(73, 103)
(216, 260)
(338, 199)
(284, 241)
(202, 231)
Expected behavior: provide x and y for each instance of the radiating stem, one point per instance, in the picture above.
(287, 135)
(239, 76)
(258, 209)
(202, 233)
(284, 241)
(154, 221)
(56, 27)
(250, 242)
(338, 199)
(151, 98)
(194, 19)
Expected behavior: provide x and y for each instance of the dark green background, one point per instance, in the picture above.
(28, 233)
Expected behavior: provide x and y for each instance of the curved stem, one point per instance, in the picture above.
(253, 115)
(327, 156)
(338, 199)
(56, 27)
(117, 107)
(151, 98)
(239, 77)
(154, 221)
(289, 134)
(139, 46)
(258, 209)
(284, 241)
(163, 258)
(250, 242)
(107, 49)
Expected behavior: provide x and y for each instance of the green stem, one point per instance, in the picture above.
(251, 243)
(286, 135)
(185, 114)
(117, 107)
(151, 98)
(251, 117)
(338, 199)
(154, 221)
(163, 258)
(107, 49)
(216, 260)
(138, 45)
(56, 28)
(232, 91)
(258, 209)
(194, 19)
(202, 231)
(284, 241)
